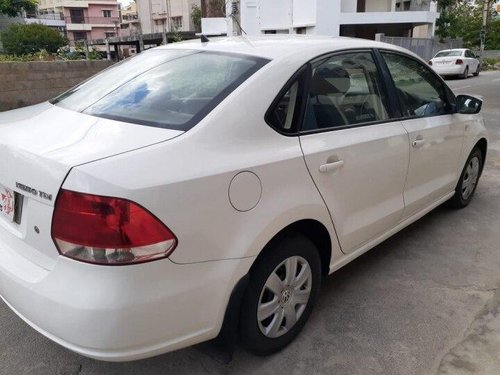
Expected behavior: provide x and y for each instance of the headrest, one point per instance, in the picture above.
(330, 80)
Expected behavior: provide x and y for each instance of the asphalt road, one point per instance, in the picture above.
(426, 301)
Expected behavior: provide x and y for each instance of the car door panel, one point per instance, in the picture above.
(436, 143)
(357, 160)
(365, 192)
(436, 134)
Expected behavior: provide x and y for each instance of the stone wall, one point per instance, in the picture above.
(26, 83)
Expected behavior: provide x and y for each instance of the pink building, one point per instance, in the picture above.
(86, 19)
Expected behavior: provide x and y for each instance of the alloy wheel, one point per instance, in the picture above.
(470, 177)
(284, 297)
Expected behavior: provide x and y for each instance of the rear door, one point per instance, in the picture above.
(356, 155)
(436, 133)
(472, 62)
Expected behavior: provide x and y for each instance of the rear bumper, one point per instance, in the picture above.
(124, 312)
(449, 70)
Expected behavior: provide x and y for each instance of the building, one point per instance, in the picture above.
(85, 19)
(354, 18)
(129, 20)
(157, 16)
(52, 20)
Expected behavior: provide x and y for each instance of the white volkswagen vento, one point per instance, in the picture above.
(461, 62)
(207, 187)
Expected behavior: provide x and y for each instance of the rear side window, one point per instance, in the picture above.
(344, 90)
(163, 88)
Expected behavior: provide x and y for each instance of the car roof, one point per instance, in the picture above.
(275, 47)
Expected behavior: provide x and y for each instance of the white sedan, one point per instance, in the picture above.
(456, 62)
(204, 189)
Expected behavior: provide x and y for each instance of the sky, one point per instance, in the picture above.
(124, 2)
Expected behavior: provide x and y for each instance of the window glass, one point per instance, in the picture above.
(448, 53)
(281, 117)
(344, 90)
(419, 91)
(165, 88)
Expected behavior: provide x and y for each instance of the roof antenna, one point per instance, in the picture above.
(204, 39)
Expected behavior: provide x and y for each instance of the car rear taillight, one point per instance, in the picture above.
(105, 230)
(430, 62)
(459, 62)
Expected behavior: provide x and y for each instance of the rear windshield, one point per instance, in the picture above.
(449, 53)
(164, 88)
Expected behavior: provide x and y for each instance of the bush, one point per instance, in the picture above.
(21, 39)
(491, 63)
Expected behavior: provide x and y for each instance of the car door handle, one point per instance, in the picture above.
(330, 167)
(417, 143)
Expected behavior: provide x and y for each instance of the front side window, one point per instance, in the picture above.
(344, 90)
(163, 88)
(419, 91)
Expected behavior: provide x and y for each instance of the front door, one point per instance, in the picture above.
(436, 134)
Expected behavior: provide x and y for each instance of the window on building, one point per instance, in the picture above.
(176, 23)
(106, 13)
(269, 31)
(109, 34)
(301, 30)
(79, 35)
(77, 15)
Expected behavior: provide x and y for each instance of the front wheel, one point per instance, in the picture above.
(468, 180)
(477, 71)
(283, 287)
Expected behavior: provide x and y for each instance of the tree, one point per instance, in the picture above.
(12, 8)
(21, 39)
(196, 17)
(464, 19)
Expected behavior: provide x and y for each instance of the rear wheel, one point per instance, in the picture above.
(468, 180)
(466, 73)
(284, 284)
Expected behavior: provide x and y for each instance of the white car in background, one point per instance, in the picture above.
(456, 62)
(204, 188)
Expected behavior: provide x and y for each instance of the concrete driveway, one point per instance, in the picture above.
(426, 301)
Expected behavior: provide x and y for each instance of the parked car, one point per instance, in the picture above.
(206, 187)
(456, 62)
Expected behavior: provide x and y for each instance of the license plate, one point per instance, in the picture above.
(7, 203)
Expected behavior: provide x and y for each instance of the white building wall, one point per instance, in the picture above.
(327, 18)
(349, 6)
(275, 14)
(250, 20)
(378, 5)
(322, 17)
(304, 13)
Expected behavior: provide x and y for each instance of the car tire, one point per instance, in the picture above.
(466, 73)
(268, 331)
(468, 181)
(477, 71)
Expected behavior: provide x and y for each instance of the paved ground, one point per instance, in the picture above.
(426, 301)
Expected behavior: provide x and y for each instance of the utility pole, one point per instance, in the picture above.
(204, 8)
(486, 4)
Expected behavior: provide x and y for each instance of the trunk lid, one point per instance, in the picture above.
(38, 147)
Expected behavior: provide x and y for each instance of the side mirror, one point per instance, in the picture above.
(468, 105)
